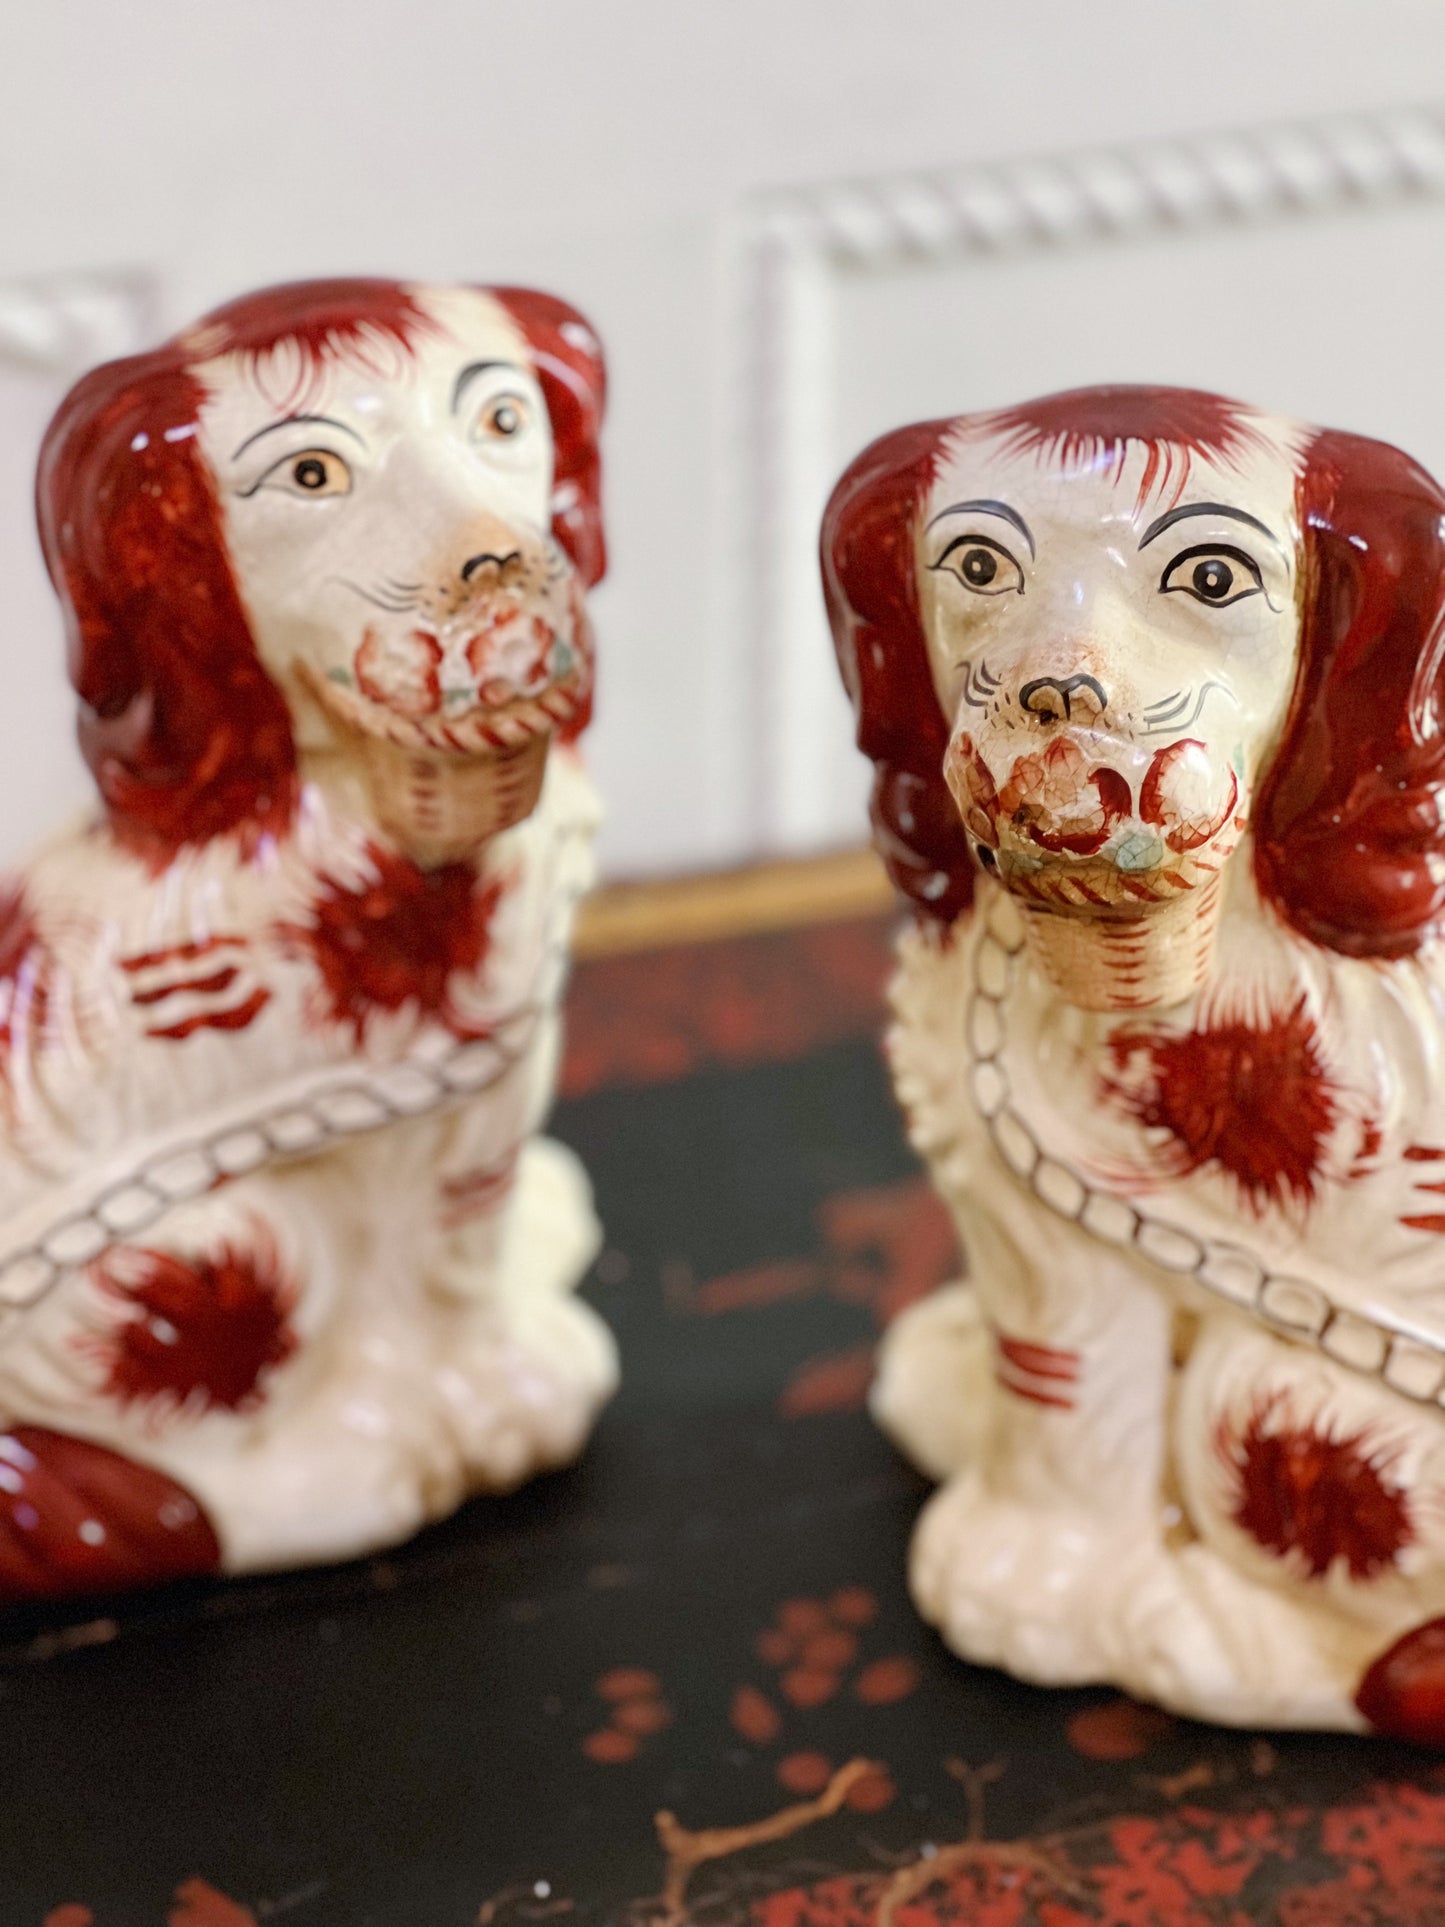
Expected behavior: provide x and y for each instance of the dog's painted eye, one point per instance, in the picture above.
(1213, 573)
(503, 418)
(315, 471)
(981, 564)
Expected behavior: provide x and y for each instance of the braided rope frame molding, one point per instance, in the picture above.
(792, 246)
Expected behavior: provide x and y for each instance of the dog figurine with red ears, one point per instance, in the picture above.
(285, 1268)
(1154, 687)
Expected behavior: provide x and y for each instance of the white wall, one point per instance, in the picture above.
(629, 155)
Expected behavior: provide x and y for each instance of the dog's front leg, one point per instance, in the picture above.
(1035, 1555)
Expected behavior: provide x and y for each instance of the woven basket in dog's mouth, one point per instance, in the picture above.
(1141, 962)
(441, 809)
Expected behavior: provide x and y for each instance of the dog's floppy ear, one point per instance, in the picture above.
(568, 360)
(1350, 839)
(870, 585)
(185, 733)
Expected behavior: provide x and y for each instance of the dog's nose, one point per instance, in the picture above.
(501, 563)
(1071, 699)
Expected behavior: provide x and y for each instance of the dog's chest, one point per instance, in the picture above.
(1293, 1109)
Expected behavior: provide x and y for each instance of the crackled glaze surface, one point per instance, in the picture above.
(285, 1267)
(1152, 685)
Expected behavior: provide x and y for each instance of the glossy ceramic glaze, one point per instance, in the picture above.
(285, 1267)
(1152, 686)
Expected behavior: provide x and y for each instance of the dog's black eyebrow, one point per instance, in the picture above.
(289, 421)
(988, 508)
(480, 368)
(1166, 521)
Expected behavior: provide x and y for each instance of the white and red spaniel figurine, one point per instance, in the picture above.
(1154, 685)
(284, 1268)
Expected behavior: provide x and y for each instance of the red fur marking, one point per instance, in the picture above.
(1301, 1491)
(1042, 1360)
(1422, 1153)
(218, 980)
(235, 1019)
(1094, 427)
(199, 1331)
(181, 952)
(1428, 1221)
(1036, 1395)
(397, 939)
(1255, 1101)
(470, 1194)
(75, 1517)
(1403, 1693)
(24, 996)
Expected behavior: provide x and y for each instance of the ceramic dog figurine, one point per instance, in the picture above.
(1153, 687)
(285, 1269)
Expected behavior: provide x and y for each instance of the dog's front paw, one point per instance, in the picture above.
(521, 1395)
(931, 1395)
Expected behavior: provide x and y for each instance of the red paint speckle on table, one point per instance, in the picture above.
(1315, 1496)
(774, 1647)
(806, 1686)
(854, 1606)
(1254, 1100)
(642, 1717)
(873, 1793)
(627, 1682)
(1119, 1729)
(199, 1904)
(800, 1616)
(397, 938)
(199, 1331)
(837, 1383)
(754, 1717)
(610, 1747)
(804, 1773)
(885, 1681)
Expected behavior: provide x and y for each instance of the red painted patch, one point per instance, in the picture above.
(1322, 1498)
(199, 1332)
(1254, 1100)
(397, 938)
(77, 1518)
(1160, 804)
(1403, 1693)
